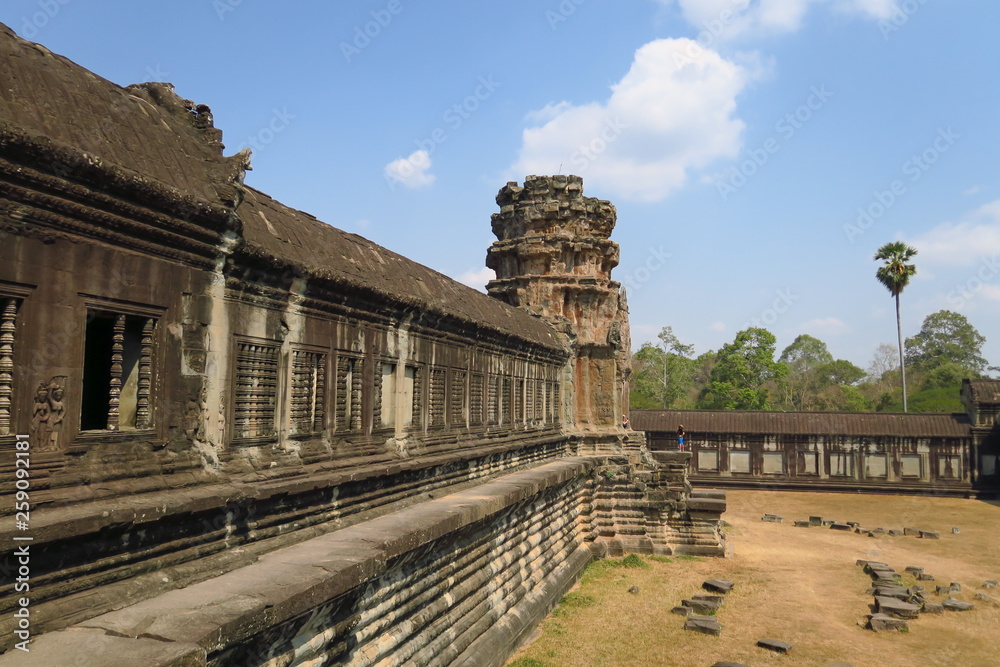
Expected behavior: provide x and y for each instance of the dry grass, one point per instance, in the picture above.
(799, 585)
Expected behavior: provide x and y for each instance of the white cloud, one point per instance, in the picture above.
(727, 19)
(411, 171)
(477, 279)
(717, 326)
(971, 191)
(825, 326)
(671, 113)
(962, 243)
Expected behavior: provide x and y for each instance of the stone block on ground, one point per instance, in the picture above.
(914, 570)
(951, 604)
(923, 576)
(773, 518)
(816, 520)
(896, 533)
(930, 535)
(932, 608)
(915, 532)
(728, 664)
(634, 590)
(706, 625)
(708, 596)
(893, 607)
(681, 610)
(802, 524)
(718, 585)
(706, 607)
(877, 531)
(883, 623)
(840, 526)
(775, 645)
(892, 591)
(942, 590)
(955, 531)
(990, 583)
(955, 587)
(873, 566)
(983, 596)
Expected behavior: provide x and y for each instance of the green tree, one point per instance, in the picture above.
(741, 371)
(803, 358)
(894, 275)
(947, 337)
(663, 373)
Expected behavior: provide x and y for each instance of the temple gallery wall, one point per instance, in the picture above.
(255, 439)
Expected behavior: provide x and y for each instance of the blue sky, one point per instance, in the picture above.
(758, 152)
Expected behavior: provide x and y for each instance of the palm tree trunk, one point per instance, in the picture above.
(902, 367)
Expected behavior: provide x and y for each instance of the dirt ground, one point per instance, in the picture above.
(799, 585)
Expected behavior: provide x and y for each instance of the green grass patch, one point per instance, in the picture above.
(634, 560)
(660, 559)
(527, 662)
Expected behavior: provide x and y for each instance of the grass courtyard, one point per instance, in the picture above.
(799, 585)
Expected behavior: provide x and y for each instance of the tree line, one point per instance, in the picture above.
(749, 374)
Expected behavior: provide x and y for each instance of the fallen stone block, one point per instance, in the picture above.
(852, 524)
(929, 607)
(914, 570)
(816, 520)
(634, 590)
(923, 576)
(897, 608)
(775, 645)
(886, 577)
(681, 610)
(718, 585)
(878, 531)
(951, 604)
(883, 623)
(955, 531)
(915, 532)
(861, 562)
(772, 518)
(840, 526)
(707, 596)
(802, 524)
(873, 566)
(896, 533)
(705, 607)
(706, 625)
(990, 583)
(955, 587)
(942, 590)
(930, 535)
(983, 596)
(892, 591)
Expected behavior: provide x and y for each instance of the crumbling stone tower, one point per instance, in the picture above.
(553, 256)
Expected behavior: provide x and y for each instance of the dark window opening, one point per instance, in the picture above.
(116, 372)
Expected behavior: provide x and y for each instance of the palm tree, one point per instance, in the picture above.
(895, 274)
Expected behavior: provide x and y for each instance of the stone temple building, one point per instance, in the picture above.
(232, 434)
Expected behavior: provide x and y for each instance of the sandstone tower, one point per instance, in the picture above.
(553, 256)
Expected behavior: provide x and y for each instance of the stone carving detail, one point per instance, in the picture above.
(505, 401)
(143, 413)
(476, 399)
(538, 388)
(437, 395)
(47, 415)
(418, 401)
(377, 402)
(117, 348)
(519, 401)
(256, 390)
(7, 316)
(529, 399)
(492, 407)
(458, 398)
(349, 374)
(308, 391)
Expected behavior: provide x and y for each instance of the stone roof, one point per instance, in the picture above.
(804, 423)
(985, 391)
(295, 238)
(146, 129)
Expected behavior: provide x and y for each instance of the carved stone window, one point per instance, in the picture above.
(529, 399)
(412, 382)
(492, 398)
(949, 466)
(8, 316)
(841, 464)
(519, 401)
(458, 398)
(437, 397)
(348, 410)
(476, 399)
(256, 392)
(385, 396)
(117, 372)
(308, 392)
(739, 461)
(555, 401)
(505, 391)
(539, 388)
(806, 462)
(911, 465)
